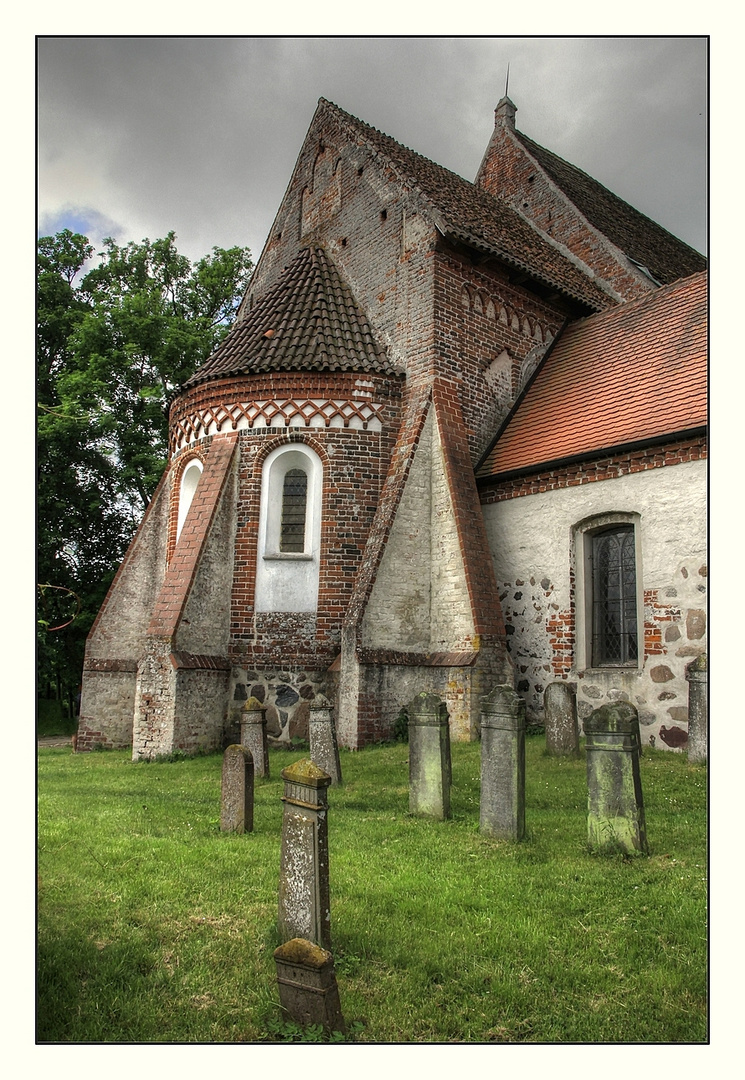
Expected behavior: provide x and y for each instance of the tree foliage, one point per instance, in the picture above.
(113, 343)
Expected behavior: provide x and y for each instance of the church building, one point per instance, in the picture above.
(455, 438)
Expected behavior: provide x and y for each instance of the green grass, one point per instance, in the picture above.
(153, 926)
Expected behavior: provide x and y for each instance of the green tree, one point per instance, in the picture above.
(113, 344)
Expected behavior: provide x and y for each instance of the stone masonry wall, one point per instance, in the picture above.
(117, 637)
(532, 546)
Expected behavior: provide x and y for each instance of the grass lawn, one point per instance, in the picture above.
(153, 926)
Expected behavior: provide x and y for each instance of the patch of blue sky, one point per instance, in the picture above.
(78, 219)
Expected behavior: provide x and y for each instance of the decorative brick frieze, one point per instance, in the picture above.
(300, 412)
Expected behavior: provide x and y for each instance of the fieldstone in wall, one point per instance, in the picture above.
(299, 721)
(661, 673)
(695, 624)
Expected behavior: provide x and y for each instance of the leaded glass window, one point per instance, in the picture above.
(294, 503)
(614, 621)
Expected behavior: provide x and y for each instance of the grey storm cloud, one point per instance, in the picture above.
(139, 136)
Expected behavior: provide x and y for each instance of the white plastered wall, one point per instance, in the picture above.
(531, 543)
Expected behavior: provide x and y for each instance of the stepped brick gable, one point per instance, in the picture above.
(371, 491)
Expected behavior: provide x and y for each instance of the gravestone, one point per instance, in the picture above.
(253, 734)
(324, 749)
(615, 805)
(502, 809)
(237, 792)
(560, 717)
(697, 674)
(430, 771)
(308, 992)
(304, 910)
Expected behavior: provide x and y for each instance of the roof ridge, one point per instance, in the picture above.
(656, 296)
(528, 143)
(489, 203)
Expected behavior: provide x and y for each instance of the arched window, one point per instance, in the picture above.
(189, 480)
(609, 591)
(287, 570)
(294, 506)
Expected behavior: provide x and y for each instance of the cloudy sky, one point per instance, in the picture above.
(138, 136)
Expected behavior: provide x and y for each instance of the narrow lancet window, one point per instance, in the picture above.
(614, 638)
(294, 505)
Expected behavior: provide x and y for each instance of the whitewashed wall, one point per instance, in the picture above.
(531, 543)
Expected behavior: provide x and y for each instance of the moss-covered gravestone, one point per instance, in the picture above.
(324, 749)
(253, 734)
(304, 910)
(308, 992)
(615, 805)
(502, 811)
(237, 791)
(430, 771)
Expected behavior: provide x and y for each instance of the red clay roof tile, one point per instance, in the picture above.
(635, 373)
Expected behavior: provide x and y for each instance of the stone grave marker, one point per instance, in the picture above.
(237, 792)
(502, 808)
(304, 910)
(615, 804)
(253, 734)
(308, 992)
(430, 771)
(324, 749)
(560, 713)
(697, 674)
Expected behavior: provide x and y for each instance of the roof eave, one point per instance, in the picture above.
(595, 454)
(462, 236)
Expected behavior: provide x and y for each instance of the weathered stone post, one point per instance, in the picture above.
(307, 984)
(237, 794)
(502, 812)
(697, 674)
(560, 712)
(615, 806)
(324, 749)
(304, 909)
(430, 769)
(253, 734)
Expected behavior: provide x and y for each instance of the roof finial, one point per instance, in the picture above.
(507, 80)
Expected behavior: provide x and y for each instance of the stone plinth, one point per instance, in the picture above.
(324, 749)
(429, 757)
(615, 805)
(308, 992)
(560, 718)
(304, 910)
(237, 793)
(697, 674)
(253, 734)
(502, 810)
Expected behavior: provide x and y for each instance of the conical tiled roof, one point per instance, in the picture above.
(307, 321)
